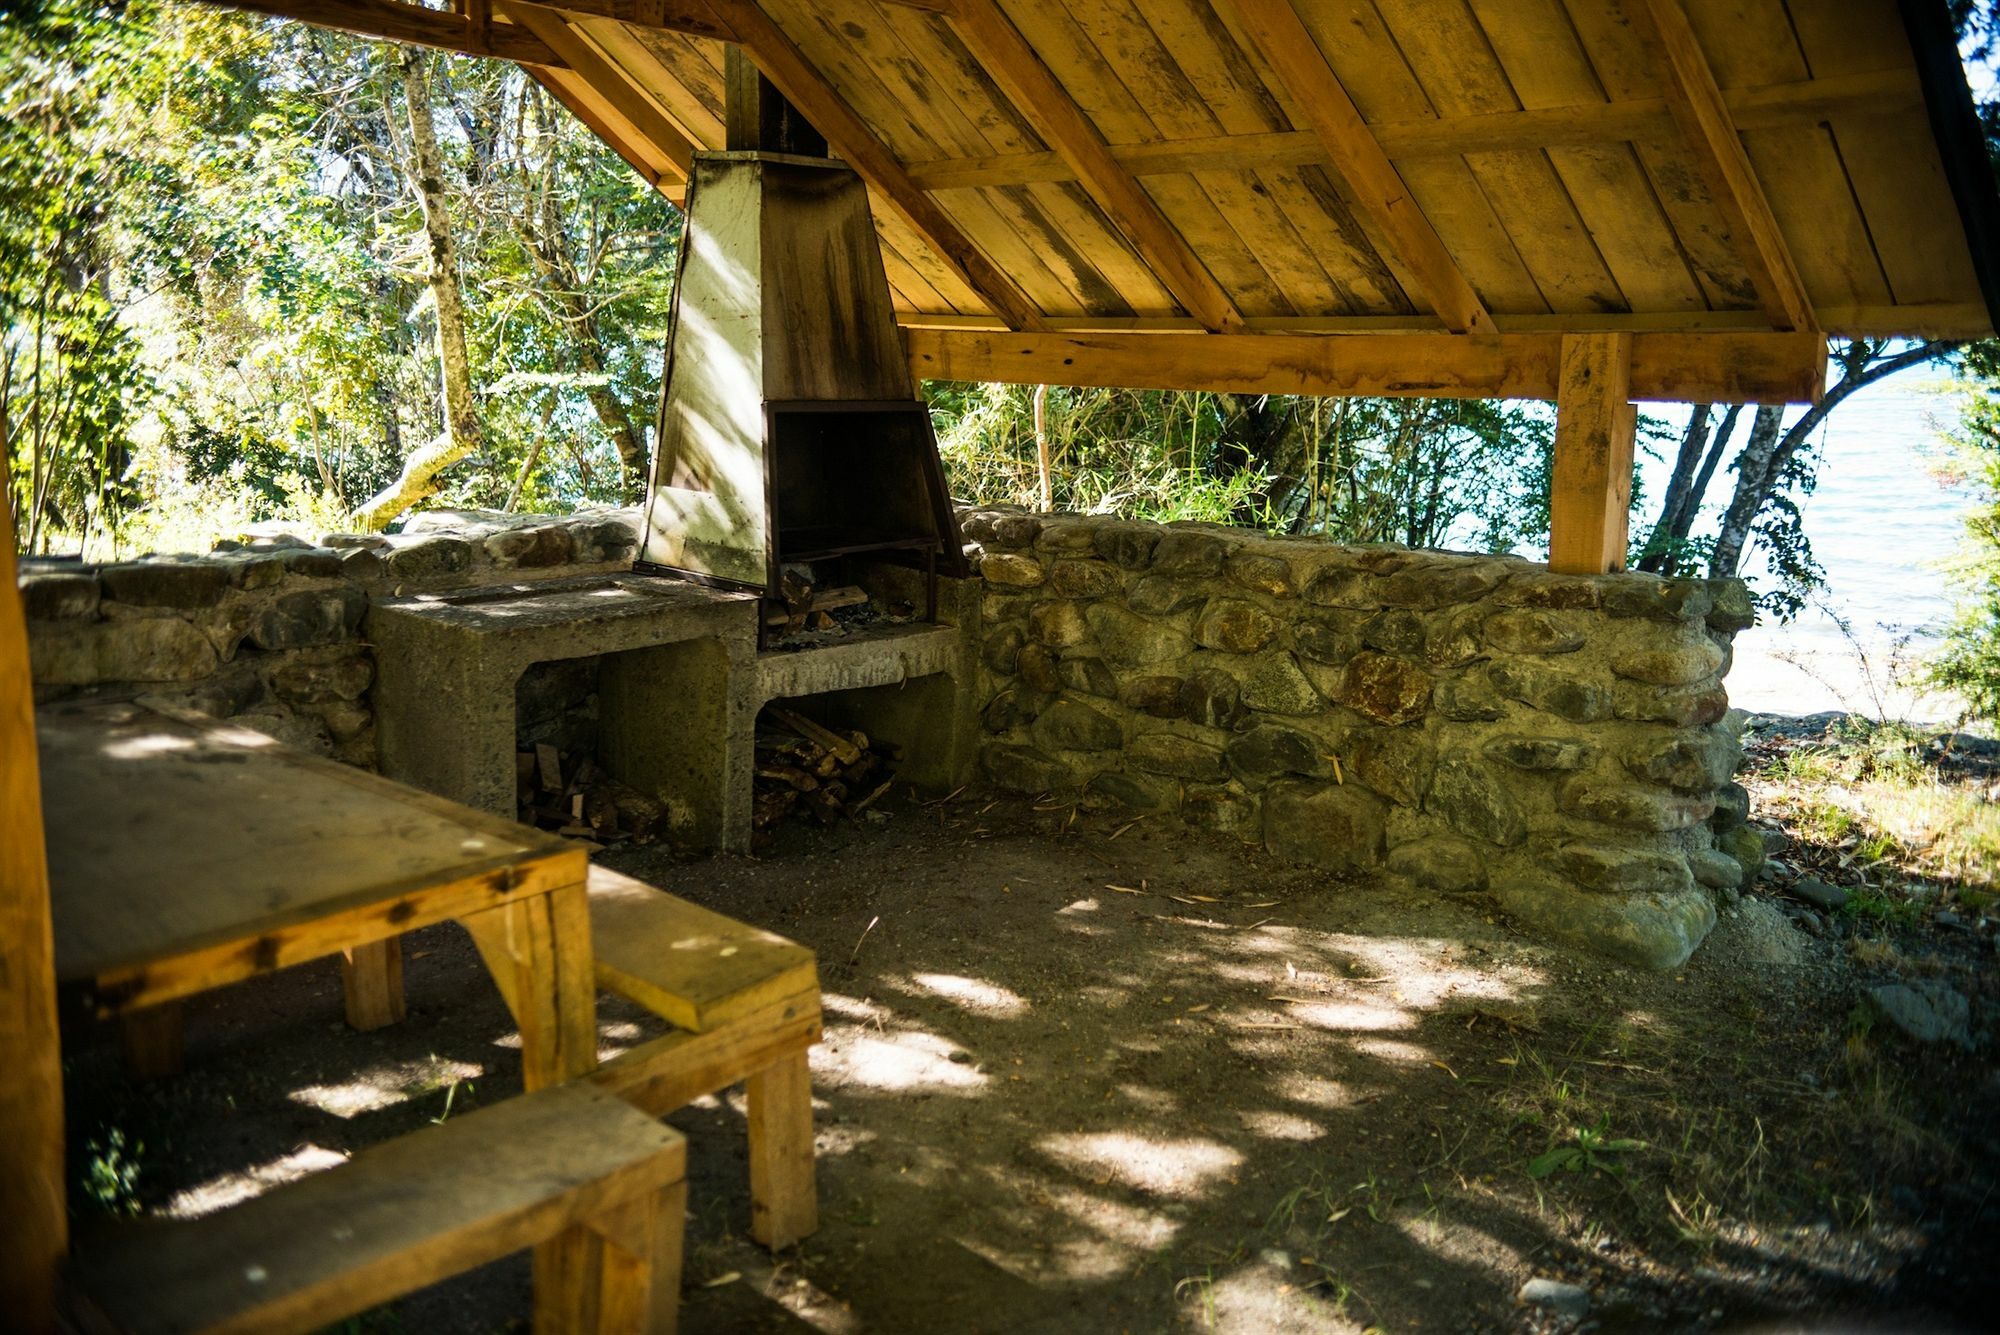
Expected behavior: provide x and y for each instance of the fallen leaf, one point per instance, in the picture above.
(720, 1280)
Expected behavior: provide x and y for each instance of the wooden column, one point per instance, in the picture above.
(1590, 493)
(34, 1224)
(756, 118)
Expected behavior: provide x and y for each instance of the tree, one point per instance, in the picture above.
(461, 434)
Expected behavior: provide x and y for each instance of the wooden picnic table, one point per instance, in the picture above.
(186, 853)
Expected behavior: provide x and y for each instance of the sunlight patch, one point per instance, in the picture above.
(971, 994)
(234, 1188)
(1131, 1226)
(855, 1056)
(854, 1008)
(385, 1087)
(1315, 1091)
(1388, 1050)
(1164, 1167)
(1281, 1126)
(1350, 1017)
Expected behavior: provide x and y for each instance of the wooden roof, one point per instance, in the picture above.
(1333, 165)
(1521, 166)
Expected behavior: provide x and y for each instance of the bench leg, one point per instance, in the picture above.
(152, 1041)
(616, 1274)
(372, 978)
(538, 951)
(784, 1198)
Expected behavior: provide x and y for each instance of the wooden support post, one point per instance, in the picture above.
(756, 118)
(1590, 493)
(151, 1039)
(34, 1220)
(784, 1197)
(538, 951)
(371, 977)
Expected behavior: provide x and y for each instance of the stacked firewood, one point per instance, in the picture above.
(573, 796)
(806, 766)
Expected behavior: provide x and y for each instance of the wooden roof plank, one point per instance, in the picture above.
(642, 157)
(1077, 62)
(1197, 41)
(1602, 124)
(1449, 56)
(1540, 53)
(1299, 65)
(693, 109)
(621, 100)
(1185, 68)
(1897, 174)
(1630, 73)
(805, 88)
(1704, 117)
(1013, 64)
(1787, 367)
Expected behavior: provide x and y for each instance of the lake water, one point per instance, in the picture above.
(1882, 523)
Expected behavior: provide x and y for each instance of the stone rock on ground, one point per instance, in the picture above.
(1652, 930)
(1567, 1300)
(1923, 1011)
(1819, 894)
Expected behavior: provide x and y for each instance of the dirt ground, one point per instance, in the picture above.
(1089, 1074)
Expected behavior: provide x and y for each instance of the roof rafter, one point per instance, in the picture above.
(1878, 93)
(1720, 367)
(1698, 104)
(1011, 62)
(816, 99)
(1358, 156)
(434, 28)
(624, 106)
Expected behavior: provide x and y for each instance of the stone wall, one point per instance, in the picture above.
(270, 631)
(1472, 722)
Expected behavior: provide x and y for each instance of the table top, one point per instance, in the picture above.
(170, 832)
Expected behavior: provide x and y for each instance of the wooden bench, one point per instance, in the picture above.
(599, 1182)
(745, 1006)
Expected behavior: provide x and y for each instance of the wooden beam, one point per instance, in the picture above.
(1590, 492)
(805, 88)
(567, 89)
(1720, 367)
(756, 118)
(35, 1236)
(394, 22)
(621, 103)
(1642, 120)
(1012, 63)
(693, 18)
(1358, 156)
(1946, 320)
(1703, 114)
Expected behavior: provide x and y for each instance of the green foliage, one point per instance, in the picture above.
(212, 270)
(1591, 1151)
(1969, 661)
(111, 1173)
(1416, 471)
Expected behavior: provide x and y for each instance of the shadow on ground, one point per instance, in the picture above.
(1079, 1075)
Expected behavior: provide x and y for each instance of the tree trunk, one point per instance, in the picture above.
(1691, 503)
(1753, 480)
(1693, 446)
(461, 435)
(1041, 406)
(1768, 454)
